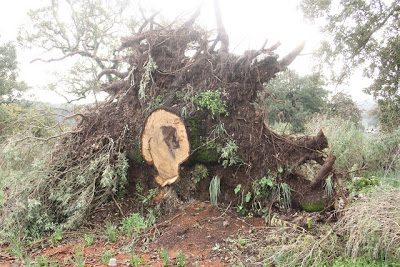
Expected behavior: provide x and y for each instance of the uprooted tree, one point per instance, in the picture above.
(183, 101)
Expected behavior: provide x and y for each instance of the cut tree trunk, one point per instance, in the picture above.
(165, 145)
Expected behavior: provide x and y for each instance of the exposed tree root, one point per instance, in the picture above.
(168, 66)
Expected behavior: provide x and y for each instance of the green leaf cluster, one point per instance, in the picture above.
(261, 190)
(229, 154)
(200, 172)
(48, 199)
(211, 100)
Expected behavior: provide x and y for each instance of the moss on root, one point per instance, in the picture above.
(202, 153)
(314, 206)
(194, 134)
(205, 156)
(135, 155)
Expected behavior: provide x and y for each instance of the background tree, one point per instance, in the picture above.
(342, 105)
(294, 98)
(10, 87)
(363, 33)
(88, 31)
(373, 116)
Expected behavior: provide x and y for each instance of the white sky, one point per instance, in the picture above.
(248, 24)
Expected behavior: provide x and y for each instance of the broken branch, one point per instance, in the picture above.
(115, 72)
(222, 35)
(323, 172)
(80, 52)
(288, 59)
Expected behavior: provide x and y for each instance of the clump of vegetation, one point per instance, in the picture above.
(367, 235)
(243, 241)
(284, 195)
(364, 184)
(136, 259)
(355, 149)
(111, 231)
(56, 237)
(287, 244)
(106, 256)
(181, 259)
(200, 172)
(345, 140)
(295, 99)
(78, 259)
(135, 223)
(263, 191)
(145, 199)
(46, 199)
(229, 154)
(42, 261)
(164, 255)
(89, 240)
(211, 100)
(149, 67)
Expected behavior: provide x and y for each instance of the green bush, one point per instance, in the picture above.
(181, 259)
(364, 183)
(291, 98)
(89, 240)
(26, 119)
(211, 100)
(200, 172)
(229, 154)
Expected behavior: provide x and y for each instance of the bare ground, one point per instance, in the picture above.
(206, 235)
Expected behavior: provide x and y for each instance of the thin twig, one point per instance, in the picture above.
(116, 204)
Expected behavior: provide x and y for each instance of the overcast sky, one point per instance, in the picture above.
(248, 24)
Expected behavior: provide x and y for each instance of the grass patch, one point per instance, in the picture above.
(372, 226)
(135, 223)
